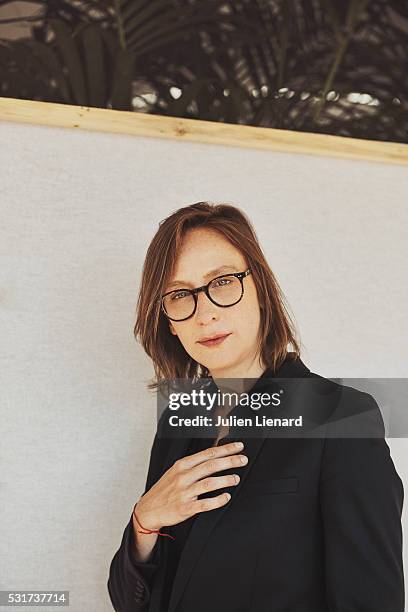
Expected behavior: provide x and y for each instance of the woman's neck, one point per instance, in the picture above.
(238, 378)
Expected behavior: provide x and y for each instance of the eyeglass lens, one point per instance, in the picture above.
(225, 291)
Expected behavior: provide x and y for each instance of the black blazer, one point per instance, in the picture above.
(313, 526)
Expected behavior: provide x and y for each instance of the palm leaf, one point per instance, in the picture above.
(66, 45)
(122, 80)
(95, 65)
(50, 64)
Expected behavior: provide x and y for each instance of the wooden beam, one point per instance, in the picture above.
(194, 130)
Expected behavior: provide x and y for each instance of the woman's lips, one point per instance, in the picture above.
(215, 342)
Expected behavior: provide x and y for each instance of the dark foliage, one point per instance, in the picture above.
(329, 66)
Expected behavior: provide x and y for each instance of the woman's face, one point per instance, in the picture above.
(202, 251)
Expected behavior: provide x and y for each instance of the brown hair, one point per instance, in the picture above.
(170, 359)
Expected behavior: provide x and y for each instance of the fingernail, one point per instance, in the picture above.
(239, 445)
(244, 459)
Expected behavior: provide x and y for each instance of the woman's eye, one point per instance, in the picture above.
(221, 281)
(178, 295)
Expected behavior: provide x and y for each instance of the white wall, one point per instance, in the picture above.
(78, 210)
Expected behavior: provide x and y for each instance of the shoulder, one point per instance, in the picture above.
(354, 448)
(341, 410)
(351, 426)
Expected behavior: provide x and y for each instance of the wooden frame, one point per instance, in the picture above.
(194, 130)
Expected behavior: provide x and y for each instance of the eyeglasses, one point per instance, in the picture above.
(224, 291)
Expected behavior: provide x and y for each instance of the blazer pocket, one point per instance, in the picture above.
(272, 486)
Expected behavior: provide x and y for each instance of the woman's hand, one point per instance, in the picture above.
(173, 498)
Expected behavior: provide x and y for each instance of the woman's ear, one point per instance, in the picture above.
(173, 331)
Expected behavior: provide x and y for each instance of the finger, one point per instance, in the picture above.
(214, 465)
(211, 452)
(213, 483)
(210, 503)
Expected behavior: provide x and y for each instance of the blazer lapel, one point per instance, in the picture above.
(205, 522)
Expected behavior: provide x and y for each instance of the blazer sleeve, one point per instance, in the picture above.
(361, 497)
(130, 581)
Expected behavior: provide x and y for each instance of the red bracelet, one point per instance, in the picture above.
(148, 531)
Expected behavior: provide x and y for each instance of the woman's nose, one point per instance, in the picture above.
(205, 308)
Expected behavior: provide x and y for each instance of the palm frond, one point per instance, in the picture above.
(328, 66)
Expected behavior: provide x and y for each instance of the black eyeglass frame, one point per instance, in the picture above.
(205, 288)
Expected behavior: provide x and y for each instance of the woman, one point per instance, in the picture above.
(284, 524)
